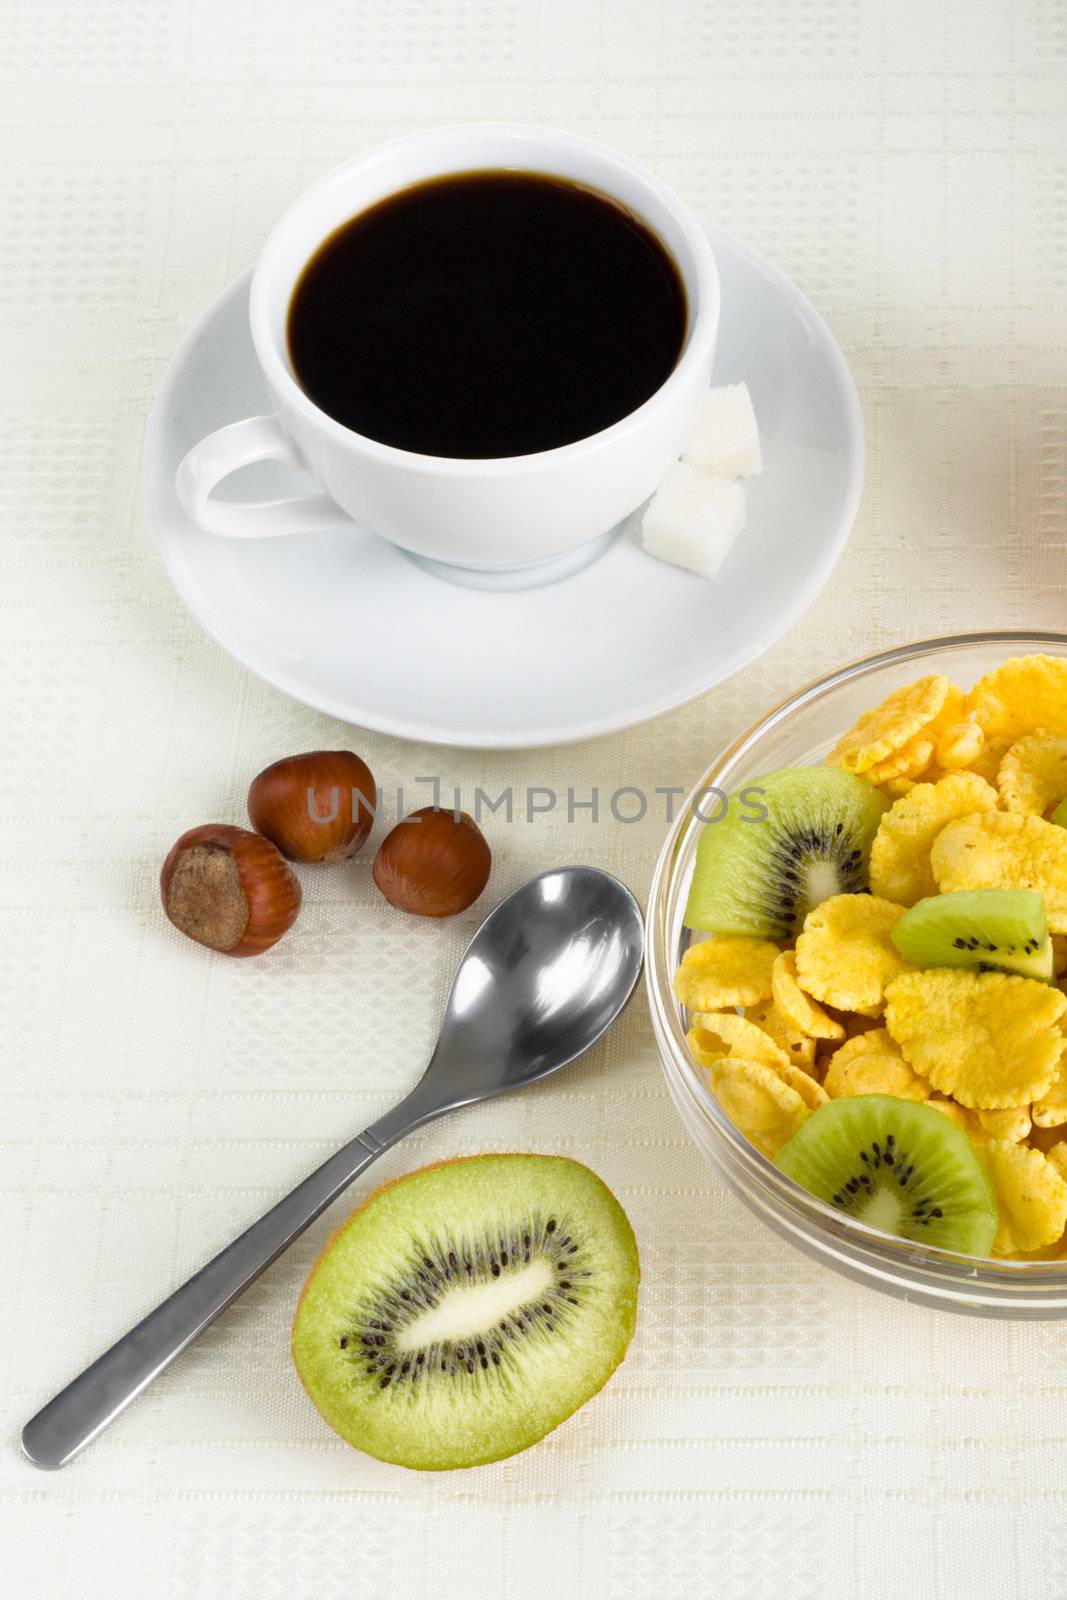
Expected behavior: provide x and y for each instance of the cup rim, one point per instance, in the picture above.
(877, 1254)
(703, 287)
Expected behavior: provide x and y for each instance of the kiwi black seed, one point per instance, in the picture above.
(785, 842)
(466, 1310)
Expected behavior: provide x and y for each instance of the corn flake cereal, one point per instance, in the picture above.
(845, 956)
(960, 746)
(1057, 1154)
(799, 1047)
(966, 1121)
(1051, 1252)
(885, 728)
(951, 712)
(973, 777)
(874, 1038)
(900, 854)
(808, 1088)
(1051, 1109)
(874, 1072)
(908, 763)
(987, 1038)
(897, 788)
(725, 1033)
(987, 765)
(1011, 1123)
(757, 1101)
(1005, 850)
(1031, 1193)
(797, 1007)
(725, 972)
(1013, 698)
(1032, 777)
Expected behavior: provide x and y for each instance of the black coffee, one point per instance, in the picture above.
(487, 314)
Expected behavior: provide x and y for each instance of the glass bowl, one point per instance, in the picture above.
(802, 730)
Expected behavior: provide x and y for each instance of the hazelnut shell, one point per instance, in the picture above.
(229, 889)
(315, 807)
(433, 863)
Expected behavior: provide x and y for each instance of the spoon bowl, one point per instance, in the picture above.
(544, 976)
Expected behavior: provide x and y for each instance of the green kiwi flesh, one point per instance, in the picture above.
(785, 842)
(466, 1310)
(987, 930)
(898, 1166)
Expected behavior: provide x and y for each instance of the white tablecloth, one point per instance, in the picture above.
(775, 1431)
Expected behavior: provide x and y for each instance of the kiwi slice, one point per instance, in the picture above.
(784, 843)
(466, 1310)
(899, 1166)
(988, 930)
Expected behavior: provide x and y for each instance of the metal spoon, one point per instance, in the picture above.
(545, 975)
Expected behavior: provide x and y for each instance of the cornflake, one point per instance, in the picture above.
(960, 745)
(1031, 1194)
(908, 763)
(989, 1039)
(987, 765)
(874, 1038)
(966, 1121)
(797, 1007)
(1011, 1123)
(886, 728)
(1032, 777)
(759, 1104)
(1005, 850)
(1051, 1109)
(1011, 699)
(724, 1033)
(900, 854)
(808, 1088)
(844, 955)
(874, 1072)
(799, 1047)
(724, 972)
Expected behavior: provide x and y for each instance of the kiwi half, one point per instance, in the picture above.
(466, 1310)
(786, 842)
(899, 1166)
(987, 930)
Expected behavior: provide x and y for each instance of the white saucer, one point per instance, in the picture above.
(354, 627)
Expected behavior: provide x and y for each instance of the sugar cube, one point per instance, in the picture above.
(693, 519)
(725, 438)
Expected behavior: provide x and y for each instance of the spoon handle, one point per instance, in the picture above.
(94, 1399)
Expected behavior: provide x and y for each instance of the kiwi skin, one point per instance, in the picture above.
(392, 1183)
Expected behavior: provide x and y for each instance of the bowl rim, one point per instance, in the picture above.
(880, 1254)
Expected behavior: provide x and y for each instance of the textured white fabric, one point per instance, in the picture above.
(775, 1432)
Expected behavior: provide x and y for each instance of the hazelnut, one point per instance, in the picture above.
(314, 807)
(433, 864)
(229, 889)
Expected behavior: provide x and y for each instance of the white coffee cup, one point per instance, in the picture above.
(490, 515)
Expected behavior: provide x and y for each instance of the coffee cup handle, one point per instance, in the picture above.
(241, 444)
